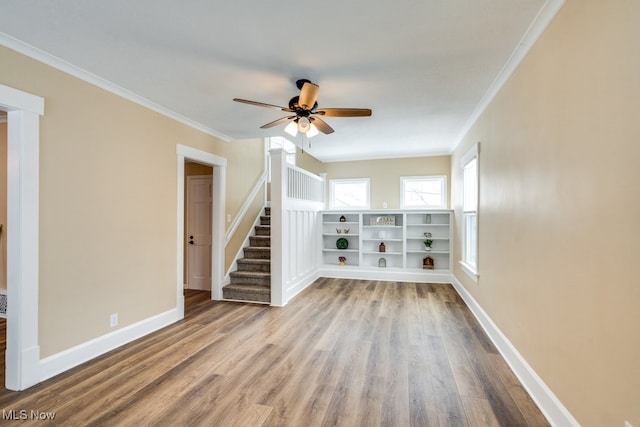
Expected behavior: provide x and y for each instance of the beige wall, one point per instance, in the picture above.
(308, 162)
(559, 214)
(108, 203)
(385, 175)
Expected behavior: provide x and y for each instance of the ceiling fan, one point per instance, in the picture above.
(306, 115)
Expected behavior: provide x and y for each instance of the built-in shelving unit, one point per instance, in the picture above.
(403, 234)
(333, 229)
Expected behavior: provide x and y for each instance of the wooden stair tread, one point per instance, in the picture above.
(249, 288)
(249, 274)
(254, 260)
(252, 281)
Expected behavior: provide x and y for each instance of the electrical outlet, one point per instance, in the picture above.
(228, 217)
(113, 320)
(384, 205)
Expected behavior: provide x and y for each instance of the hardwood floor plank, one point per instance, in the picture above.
(343, 352)
(479, 412)
(447, 402)
(527, 406)
(502, 404)
(421, 392)
(254, 416)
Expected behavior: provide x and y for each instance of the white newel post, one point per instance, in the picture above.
(278, 231)
(325, 190)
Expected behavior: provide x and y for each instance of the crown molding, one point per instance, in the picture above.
(537, 27)
(66, 67)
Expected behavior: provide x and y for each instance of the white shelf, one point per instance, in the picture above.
(425, 238)
(342, 223)
(403, 241)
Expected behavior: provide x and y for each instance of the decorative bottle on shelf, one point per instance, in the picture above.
(382, 248)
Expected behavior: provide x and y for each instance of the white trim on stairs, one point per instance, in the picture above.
(246, 242)
(244, 209)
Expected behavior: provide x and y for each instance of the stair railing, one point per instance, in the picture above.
(297, 196)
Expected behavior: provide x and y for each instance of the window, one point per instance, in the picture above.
(470, 187)
(286, 145)
(420, 192)
(349, 193)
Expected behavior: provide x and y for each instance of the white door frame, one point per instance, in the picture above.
(219, 165)
(23, 174)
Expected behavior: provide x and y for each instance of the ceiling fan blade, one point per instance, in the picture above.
(344, 112)
(277, 122)
(321, 125)
(261, 104)
(308, 95)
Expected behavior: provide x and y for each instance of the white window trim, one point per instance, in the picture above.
(349, 180)
(468, 269)
(443, 196)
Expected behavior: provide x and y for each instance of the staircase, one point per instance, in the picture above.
(252, 281)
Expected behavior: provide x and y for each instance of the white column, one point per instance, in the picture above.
(278, 228)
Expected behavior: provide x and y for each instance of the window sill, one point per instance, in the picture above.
(470, 271)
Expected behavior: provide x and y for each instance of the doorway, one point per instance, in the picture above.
(218, 164)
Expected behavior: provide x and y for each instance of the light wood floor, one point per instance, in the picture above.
(344, 352)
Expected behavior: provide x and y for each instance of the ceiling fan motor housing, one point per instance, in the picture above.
(296, 108)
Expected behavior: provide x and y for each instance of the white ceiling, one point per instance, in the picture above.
(424, 67)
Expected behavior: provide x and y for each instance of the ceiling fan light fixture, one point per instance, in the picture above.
(304, 124)
(292, 128)
(313, 131)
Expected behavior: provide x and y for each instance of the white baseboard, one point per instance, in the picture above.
(67, 359)
(301, 284)
(548, 403)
